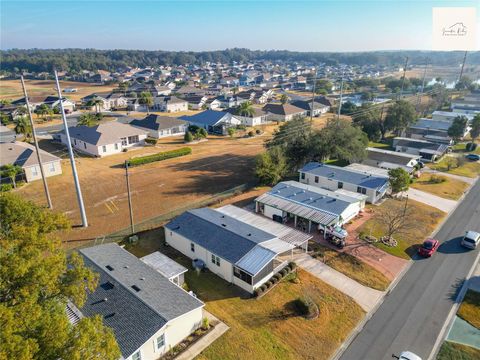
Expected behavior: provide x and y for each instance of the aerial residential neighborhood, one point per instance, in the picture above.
(240, 180)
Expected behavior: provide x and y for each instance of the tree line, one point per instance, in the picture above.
(77, 60)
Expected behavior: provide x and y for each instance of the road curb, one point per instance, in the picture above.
(344, 346)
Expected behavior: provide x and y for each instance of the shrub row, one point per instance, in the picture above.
(151, 141)
(160, 156)
(275, 279)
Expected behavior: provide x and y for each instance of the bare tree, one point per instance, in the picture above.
(396, 220)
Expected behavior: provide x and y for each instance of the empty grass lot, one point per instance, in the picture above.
(469, 168)
(449, 189)
(426, 219)
(350, 266)
(455, 351)
(470, 308)
(267, 328)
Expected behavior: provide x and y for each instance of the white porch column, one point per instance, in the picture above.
(309, 225)
(295, 221)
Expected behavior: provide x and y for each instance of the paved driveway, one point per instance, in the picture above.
(438, 202)
(366, 297)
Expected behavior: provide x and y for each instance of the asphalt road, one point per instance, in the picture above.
(412, 315)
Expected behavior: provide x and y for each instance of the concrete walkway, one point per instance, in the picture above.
(219, 329)
(438, 202)
(464, 333)
(453, 176)
(366, 297)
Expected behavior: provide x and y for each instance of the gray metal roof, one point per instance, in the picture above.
(256, 259)
(157, 122)
(431, 124)
(164, 265)
(134, 316)
(283, 232)
(345, 175)
(220, 234)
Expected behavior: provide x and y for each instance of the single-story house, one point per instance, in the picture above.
(318, 108)
(259, 117)
(148, 314)
(432, 130)
(388, 159)
(308, 207)
(167, 267)
(236, 251)
(428, 150)
(367, 168)
(216, 122)
(25, 156)
(283, 112)
(449, 116)
(110, 100)
(159, 126)
(471, 106)
(334, 177)
(50, 100)
(170, 104)
(195, 102)
(105, 139)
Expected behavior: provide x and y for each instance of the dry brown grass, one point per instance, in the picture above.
(449, 188)
(470, 308)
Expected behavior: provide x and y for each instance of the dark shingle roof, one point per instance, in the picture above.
(345, 175)
(207, 117)
(23, 154)
(157, 122)
(221, 234)
(134, 316)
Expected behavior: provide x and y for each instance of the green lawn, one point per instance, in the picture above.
(267, 328)
(350, 266)
(470, 308)
(454, 351)
(387, 145)
(449, 189)
(461, 148)
(468, 168)
(424, 219)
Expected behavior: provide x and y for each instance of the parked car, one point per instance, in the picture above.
(473, 157)
(428, 247)
(407, 355)
(471, 239)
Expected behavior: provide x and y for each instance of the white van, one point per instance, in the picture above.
(471, 239)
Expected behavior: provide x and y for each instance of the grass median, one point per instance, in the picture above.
(442, 186)
(470, 308)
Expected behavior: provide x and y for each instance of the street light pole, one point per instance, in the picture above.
(132, 226)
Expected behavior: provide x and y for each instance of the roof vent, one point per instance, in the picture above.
(136, 288)
(142, 278)
(109, 268)
(109, 315)
(126, 266)
(249, 234)
(224, 225)
(105, 299)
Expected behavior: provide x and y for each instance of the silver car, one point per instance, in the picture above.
(471, 239)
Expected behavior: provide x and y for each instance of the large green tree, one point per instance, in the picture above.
(11, 171)
(399, 180)
(475, 131)
(245, 109)
(146, 99)
(22, 126)
(87, 119)
(457, 129)
(370, 121)
(271, 166)
(399, 116)
(36, 281)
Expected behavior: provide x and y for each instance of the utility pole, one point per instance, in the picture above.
(313, 96)
(132, 226)
(72, 158)
(341, 95)
(403, 78)
(423, 85)
(37, 149)
(463, 65)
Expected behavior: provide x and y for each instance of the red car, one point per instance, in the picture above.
(428, 247)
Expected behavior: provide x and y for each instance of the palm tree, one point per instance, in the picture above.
(146, 99)
(22, 126)
(87, 120)
(246, 109)
(97, 103)
(43, 110)
(234, 90)
(11, 171)
(284, 99)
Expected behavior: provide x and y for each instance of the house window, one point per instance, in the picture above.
(316, 179)
(124, 141)
(52, 167)
(160, 341)
(192, 247)
(133, 139)
(302, 175)
(104, 148)
(34, 171)
(116, 146)
(242, 275)
(137, 356)
(340, 185)
(215, 260)
(361, 190)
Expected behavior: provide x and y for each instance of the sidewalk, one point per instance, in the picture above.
(219, 329)
(366, 297)
(446, 205)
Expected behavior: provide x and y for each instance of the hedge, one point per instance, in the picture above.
(160, 156)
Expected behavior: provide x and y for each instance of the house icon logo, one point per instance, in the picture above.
(457, 29)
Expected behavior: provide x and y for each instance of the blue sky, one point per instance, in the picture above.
(209, 25)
